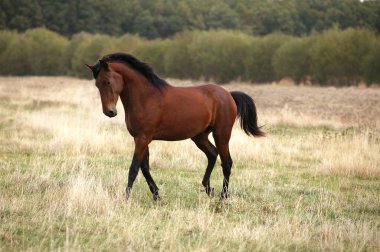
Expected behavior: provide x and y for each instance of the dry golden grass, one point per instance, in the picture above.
(309, 105)
(311, 184)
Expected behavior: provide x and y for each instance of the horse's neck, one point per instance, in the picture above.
(137, 91)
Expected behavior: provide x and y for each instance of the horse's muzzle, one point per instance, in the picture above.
(111, 112)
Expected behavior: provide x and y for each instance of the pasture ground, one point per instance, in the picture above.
(312, 184)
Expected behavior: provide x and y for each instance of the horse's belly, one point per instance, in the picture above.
(176, 134)
(172, 137)
(186, 113)
(182, 127)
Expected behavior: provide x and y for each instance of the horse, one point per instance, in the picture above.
(156, 110)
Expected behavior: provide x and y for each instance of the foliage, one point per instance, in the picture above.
(334, 57)
(213, 55)
(88, 48)
(7, 39)
(258, 60)
(292, 59)
(164, 18)
(154, 53)
(371, 66)
(35, 52)
(178, 60)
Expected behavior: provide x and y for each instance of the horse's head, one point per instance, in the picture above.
(110, 85)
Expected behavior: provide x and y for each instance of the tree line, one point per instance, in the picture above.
(164, 18)
(333, 57)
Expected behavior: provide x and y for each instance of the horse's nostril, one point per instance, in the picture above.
(111, 113)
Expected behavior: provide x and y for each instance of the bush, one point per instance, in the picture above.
(258, 65)
(35, 52)
(88, 48)
(292, 59)
(154, 54)
(129, 43)
(336, 56)
(371, 66)
(218, 55)
(7, 39)
(212, 55)
(178, 60)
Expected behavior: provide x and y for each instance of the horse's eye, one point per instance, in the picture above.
(106, 83)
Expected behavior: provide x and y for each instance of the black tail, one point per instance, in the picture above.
(246, 110)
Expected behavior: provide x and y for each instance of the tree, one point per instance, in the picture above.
(7, 39)
(154, 54)
(23, 14)
(36, 52)
(87, 48)
(164, 18)
(371, 65)
(336, 55)
(258, 59)
(221, 15)
(178, 59)
(292, 59)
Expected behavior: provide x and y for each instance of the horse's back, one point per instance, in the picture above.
(218, 100)
(189, 111)
(214, 97)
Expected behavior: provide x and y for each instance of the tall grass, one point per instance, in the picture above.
(64, 168)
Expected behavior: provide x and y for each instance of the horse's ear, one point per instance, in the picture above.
(103, 64)
(91, 67)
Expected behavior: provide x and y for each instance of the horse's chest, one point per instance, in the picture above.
(135, 125)
(132, 129)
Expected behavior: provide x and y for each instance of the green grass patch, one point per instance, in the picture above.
(74, 200)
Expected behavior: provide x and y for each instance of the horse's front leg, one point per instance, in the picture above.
(148, 177)
(141, 147)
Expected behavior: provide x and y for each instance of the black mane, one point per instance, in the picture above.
(141, 67)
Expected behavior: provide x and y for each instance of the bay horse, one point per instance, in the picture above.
(155, 110)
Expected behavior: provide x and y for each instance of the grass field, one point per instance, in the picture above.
(312, 184)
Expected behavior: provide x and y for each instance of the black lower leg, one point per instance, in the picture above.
(133, 171)
(206, 178)
(148, 177)
(209, 149)
(141, 147)
(226, 179)
(226, 173)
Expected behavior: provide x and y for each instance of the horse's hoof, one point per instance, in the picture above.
(224, 195)
(156, 197)
(127, 193)
(210, 191)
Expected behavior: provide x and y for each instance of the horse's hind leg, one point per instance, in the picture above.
(221, 142)
(226, 173)
(145, 170)
(209, 149)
